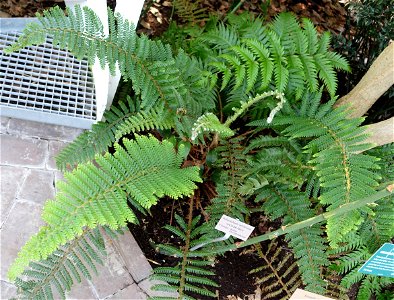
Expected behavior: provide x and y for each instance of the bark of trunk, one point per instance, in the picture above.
(381, 133)
(378, 79)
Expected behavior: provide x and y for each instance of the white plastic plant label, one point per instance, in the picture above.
(234, 227)
(305, 295)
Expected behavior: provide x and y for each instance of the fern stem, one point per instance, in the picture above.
(311, 221)
(182, 282)
(234, 10)
(273, 269)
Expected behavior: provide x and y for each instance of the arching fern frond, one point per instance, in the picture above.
(335, 141)
(59, 271)
(149, 64)
(124, 118)
(284, 54)
(190, 11)
(308, 245)
(145, 170)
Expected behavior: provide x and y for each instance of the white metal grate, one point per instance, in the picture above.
(47, 84)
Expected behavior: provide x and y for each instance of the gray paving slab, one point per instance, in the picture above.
(132, 292)
(11, 179)
(54, 148)
(38, 186)
(23, 221)
(25, 152)
(7, 290)
(4, 124)
(134, 258)
(41, 130)
(83, 290)
(113, 276)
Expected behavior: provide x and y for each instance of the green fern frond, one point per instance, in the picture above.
(283, 53)
(64, 267)
(280, 275)
(344, 174)
(155, 118)
(146, 169)
(190, 274)
(122, 119)
(308, 245)
(229, 200)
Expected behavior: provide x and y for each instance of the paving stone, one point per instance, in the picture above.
(54, 148)
(25, 152)
(41, 130)
(7, 290)
(3, 124)
(38, 186)
(132, 292)
(133, 257)
(146, 286)
(23, 221)
(113, 276)
(81, 290)
(11, 180)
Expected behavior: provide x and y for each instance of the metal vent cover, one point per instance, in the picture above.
(44, 83)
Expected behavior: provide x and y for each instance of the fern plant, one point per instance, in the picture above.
(190, 275)
(285, 55)
(247, 98)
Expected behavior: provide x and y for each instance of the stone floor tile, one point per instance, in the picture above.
(54, 148)
(4, 124)
(22, 222)
(25, 152)
(108, 281)
(133, 257)
(81, 291)
(132, 292)
(11, 179)
(7, 290)
(146, 286)
(38, 186)
(41, 130)
(113, 275)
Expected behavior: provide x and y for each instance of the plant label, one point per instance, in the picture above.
(234, 227)
(381, 263)
(304, 295)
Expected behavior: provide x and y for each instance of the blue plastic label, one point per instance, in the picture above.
(381, 263)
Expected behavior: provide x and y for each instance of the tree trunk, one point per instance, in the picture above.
(378, 79)
(381, 133)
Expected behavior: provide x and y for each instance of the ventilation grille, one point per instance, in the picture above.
(48, 80)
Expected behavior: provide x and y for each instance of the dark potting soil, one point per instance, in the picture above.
(232, 269)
